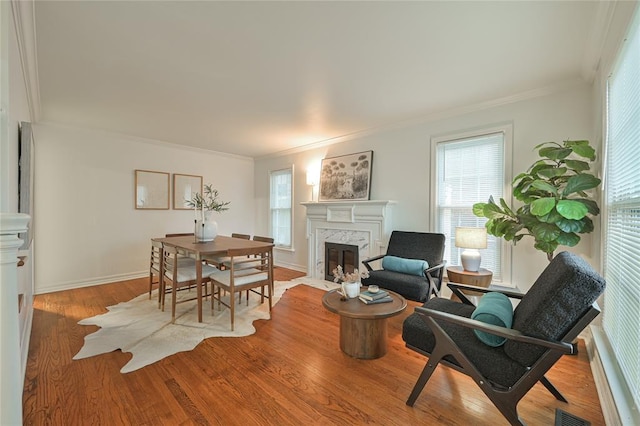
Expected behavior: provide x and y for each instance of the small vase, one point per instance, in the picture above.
(206, 230)
(351, 289)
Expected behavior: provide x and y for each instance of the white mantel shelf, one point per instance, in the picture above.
(348, 211)
(366, 224)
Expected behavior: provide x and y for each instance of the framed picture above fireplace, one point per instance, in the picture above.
(347, 177)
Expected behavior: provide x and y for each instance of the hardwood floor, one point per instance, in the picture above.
(290, 372)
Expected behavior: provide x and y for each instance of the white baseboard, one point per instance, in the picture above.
(616, 401)
(25, 340)
(96, 281)
(299, 268)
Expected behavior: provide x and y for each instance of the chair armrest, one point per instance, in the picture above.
(508, 333)
(433, 268)
(511, 294)
(372, 259)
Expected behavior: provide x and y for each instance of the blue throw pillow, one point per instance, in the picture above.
(496, 309)
(406, 266)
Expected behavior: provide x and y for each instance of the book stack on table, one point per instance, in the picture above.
(370, 298)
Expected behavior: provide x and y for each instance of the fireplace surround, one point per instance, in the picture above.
(365, 224)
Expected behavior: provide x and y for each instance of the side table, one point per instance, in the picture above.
(457, 274)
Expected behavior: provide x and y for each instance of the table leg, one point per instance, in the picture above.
(199, 285)
(363, 338)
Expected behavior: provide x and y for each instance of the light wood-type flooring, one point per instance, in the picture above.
(290, 372)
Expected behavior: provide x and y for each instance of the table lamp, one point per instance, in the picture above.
(471, 239)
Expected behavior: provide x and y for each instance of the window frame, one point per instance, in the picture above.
(291, 169)
(624, 397)
(507, 130)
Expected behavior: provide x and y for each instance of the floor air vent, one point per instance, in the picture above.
(565, 419)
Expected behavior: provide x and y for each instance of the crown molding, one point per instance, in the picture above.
(24, 21)
(111, 134)
(439, 115)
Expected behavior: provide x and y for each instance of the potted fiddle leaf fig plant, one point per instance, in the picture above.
(556, 206)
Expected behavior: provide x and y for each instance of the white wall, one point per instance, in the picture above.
(86, 228)
(402, 159)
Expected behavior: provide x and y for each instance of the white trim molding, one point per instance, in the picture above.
(25, 22)
(618, 407)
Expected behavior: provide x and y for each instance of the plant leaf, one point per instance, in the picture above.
(478, 209)
(552, 172)
(552, 217)
(546, 143)
(506, 208)
(546, 246)
(588, 225)
(554, 153)
(569, 225)
(546, 232)
(568, 239)
(544, 186)
(592, 206)
(583, 149)
(542, 206)
(577, 165)
(581, 182)
(571, 209)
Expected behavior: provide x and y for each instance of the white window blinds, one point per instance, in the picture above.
(621, 311)
(281, 202)
(469, 171)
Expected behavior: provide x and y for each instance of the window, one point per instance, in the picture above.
(621, 313)
(281, 204)
(469, 169)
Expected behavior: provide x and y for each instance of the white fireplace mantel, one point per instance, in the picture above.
(366, 224)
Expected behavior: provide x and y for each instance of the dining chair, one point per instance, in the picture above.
(219, 261)
(243, 236)
(248, 269)
(154, 266)
(180, 275)
(182, 234)
(264, 240)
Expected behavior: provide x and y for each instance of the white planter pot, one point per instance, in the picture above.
(351, 290)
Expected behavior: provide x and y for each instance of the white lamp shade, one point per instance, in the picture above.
(311, 179)
(472, 238)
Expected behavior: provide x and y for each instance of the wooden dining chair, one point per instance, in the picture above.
(155, 265)
(178, 275)
(249, 269)
(219, 261)
(264, 240)
(182, 234)
(242, 236)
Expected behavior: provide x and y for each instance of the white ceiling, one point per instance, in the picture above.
(254, 78)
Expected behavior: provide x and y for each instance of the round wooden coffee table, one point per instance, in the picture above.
(363, 328)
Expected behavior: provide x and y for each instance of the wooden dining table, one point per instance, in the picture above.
(220, 246)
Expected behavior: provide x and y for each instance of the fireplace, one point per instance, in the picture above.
(345, 255)
(363, 224)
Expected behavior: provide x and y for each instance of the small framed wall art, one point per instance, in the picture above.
(151, 190)
(185, 188)
(347, 177)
